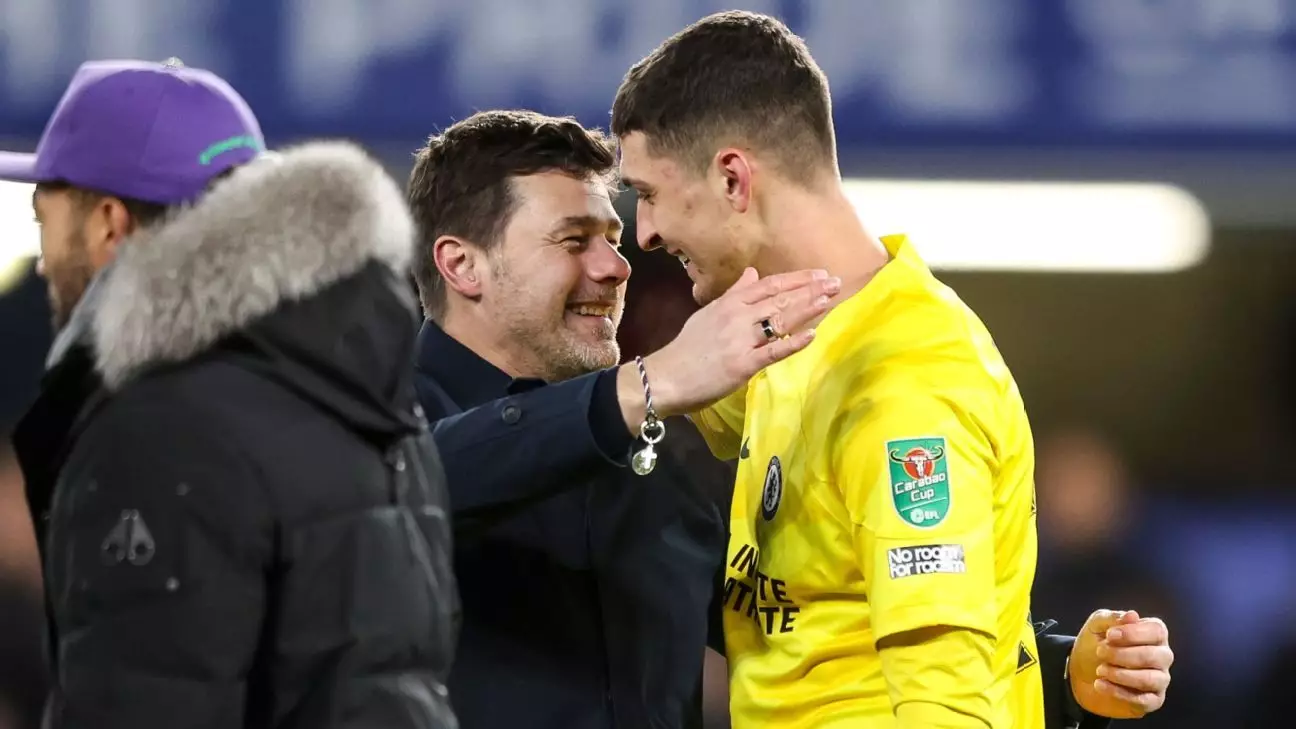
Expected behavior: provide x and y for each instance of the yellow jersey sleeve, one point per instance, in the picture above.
(721, 425)
(941, 682)
(916, 475)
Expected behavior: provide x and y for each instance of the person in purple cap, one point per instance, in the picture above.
(241, 514)
(172, 132)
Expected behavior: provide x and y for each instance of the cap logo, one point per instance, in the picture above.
(240, 142)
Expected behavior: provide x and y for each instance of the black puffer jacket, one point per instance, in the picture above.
(243, 516)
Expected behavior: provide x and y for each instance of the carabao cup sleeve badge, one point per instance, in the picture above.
(919, 473)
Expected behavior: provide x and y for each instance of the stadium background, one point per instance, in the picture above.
(1154, 337)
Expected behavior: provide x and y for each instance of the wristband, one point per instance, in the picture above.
(651, 430)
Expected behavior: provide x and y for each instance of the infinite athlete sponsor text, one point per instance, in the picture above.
(761, 597)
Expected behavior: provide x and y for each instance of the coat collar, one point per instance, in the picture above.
(468, 379)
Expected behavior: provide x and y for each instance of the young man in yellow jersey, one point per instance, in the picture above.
(883, 534)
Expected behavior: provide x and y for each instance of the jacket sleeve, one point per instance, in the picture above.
(504, 455)
(1060, 708)
(158, 542)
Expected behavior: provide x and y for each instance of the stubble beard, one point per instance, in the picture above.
(67, 284)
(551, 350)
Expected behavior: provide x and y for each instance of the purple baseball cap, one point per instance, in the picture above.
(157, 132)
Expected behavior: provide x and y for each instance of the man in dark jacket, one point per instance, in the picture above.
(242, 514)
(587, 587)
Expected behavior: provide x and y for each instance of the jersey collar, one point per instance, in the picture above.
(904, 263)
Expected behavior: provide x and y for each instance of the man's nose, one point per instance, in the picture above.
(650, 242)
(605, 264)
(645, 231)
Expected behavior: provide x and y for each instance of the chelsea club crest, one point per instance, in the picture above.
(773, 492)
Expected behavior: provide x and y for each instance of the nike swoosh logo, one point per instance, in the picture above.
(743, 452)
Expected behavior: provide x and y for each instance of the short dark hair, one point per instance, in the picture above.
(143, 213)
(462, 181)
(732, 77)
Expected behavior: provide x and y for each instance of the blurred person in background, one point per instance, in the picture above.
(23, 679)
(660, 314)
(726, 134)
(1087, 523)
(241, 515)
(587, 586)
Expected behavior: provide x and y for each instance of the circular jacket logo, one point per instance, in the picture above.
(773, 492)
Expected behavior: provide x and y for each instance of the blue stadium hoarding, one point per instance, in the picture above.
(1067, 74)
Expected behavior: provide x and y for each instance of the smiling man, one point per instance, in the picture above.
(882, 531)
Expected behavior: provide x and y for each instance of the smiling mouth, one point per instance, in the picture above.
(599, 310)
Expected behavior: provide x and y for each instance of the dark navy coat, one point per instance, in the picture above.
(587, 590)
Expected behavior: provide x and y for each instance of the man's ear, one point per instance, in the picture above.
(107, 224)
(734, 167)
(461, 264)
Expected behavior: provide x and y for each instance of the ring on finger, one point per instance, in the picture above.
(768, 330)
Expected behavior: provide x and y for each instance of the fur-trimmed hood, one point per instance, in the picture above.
(295, 266)
(277, 230)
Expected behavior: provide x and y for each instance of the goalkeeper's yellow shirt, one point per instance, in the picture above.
(885, 484)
